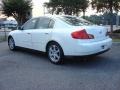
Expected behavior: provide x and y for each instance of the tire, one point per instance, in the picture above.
(11, 44)
(55, 53)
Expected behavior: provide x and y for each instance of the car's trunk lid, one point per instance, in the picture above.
(99, 32)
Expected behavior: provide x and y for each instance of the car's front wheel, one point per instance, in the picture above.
(11, 44)
(55, 53)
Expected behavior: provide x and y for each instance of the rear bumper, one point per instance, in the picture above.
(88, 49)
(99, 52)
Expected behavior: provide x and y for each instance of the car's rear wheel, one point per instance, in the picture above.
(55, 53)
(11, 44)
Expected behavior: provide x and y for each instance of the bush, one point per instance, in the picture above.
(117, 31)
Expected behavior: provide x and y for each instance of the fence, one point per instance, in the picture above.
(3, 34)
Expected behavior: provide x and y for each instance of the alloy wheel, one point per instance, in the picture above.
(55, 53)
(11, 44)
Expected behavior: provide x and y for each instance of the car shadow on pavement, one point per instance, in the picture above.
(31, 52)
(100, 62)
(67, 60)
(85, 60)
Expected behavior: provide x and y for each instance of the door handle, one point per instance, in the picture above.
(46, 33)
(28, 33)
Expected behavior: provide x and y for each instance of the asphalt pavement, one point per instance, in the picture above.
(30, 70)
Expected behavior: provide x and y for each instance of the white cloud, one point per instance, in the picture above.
(38, 7)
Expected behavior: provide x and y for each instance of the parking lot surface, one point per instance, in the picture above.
(30, 70)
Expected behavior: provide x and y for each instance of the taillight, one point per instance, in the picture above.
(82, 34)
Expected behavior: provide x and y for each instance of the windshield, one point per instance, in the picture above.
(75, 21)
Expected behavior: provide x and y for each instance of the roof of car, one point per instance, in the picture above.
(56, 16)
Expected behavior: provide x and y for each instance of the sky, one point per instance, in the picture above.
(38, 7)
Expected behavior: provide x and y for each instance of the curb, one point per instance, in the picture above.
(116, 43)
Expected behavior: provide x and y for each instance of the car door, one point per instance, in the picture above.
(42, 34)
(24, 35)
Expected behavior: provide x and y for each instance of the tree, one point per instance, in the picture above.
(85, 4)
(19, 9)
(69, 7)
(106, 6)
(53, 5)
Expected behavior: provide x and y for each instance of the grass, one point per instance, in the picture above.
(116, 40)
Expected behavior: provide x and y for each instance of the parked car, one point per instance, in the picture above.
(9, 24)
(61, 36)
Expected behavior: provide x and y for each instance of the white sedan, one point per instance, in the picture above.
(61, 36)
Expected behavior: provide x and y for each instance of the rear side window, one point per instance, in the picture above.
(51, 24)
(75, 21)
(45, 23)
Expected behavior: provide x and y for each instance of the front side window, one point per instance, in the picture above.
(44, 23)
(30, 24)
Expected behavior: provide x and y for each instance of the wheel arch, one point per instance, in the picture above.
(53, 41)
(10, 36)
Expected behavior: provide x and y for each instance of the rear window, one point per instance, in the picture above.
(75, 21)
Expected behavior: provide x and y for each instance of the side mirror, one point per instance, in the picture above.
(20, 28)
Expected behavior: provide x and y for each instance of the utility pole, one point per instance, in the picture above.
(44, 9)
(117, 20)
